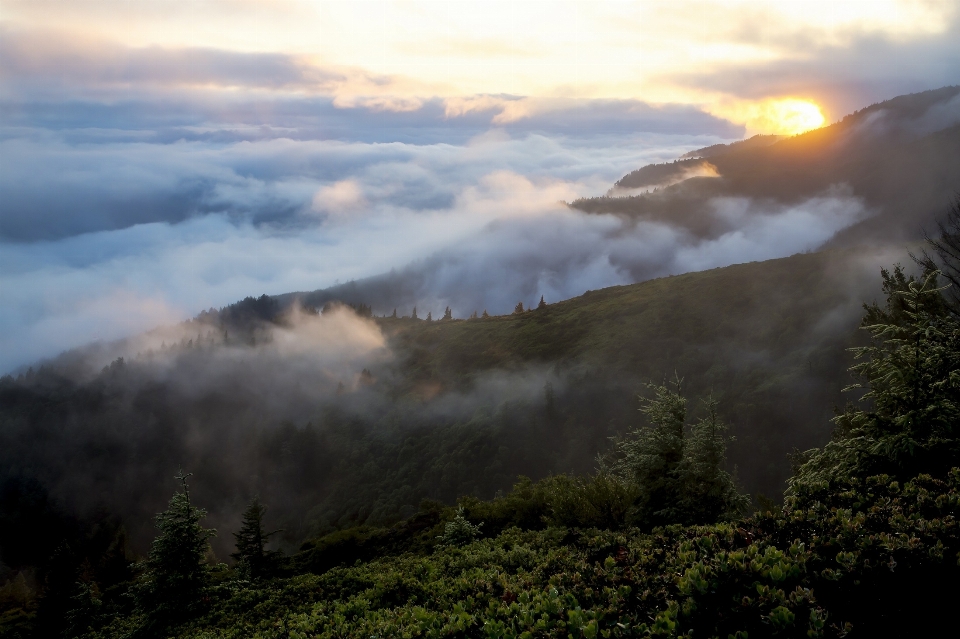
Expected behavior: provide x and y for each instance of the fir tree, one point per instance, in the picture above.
(908, 422)
(485, 314)
(679, 476)
(414, 314)
(459, 531)
(473, 315)
(394, 316)
(542, 304)
(448, 314)
(652, 456)
(518, 308)
(709, 492)
(252, 540)
(172, 585)
(429, 316)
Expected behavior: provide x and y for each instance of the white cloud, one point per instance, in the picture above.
(340, 197)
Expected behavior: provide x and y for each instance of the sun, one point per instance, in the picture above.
(784, 116)
(776, 116)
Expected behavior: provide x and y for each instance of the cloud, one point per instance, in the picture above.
(557, 252)
(456, 107)
(340, 197)
(48, 63)
(66, 178)
(862, 68)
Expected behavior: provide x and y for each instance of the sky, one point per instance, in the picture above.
(160, 158)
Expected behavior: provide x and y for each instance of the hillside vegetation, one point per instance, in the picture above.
(460, 406)
(866, 543)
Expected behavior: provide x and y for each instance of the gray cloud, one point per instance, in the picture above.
(866, 69)
(562, 253)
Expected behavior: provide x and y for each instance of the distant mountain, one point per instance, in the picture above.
(900, 158)
(689, 165)
(758, 141)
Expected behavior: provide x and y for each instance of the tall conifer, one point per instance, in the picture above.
(252, 540)
(172, 585)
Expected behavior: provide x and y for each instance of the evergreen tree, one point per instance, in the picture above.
(943, 254)
(678, 472)
(651, 457)
(429, 316)
(710, 493)
(172, 585)
(473, 315)
(394, 316)
(252, 540)
(542, 304)
(459, 531)
(485, 314)
(908, 421)
(518, 308)
(447, 314)
(414, 314)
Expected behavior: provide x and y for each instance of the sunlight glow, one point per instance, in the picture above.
(790, 117)
(778, 116)
(565, 48)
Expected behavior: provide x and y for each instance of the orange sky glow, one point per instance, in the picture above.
(391, 55)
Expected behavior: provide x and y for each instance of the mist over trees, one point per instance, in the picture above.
(875, 501)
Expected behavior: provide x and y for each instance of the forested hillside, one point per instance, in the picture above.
(441, 409)
(654, 542)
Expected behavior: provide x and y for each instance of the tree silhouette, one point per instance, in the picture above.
(175, 578)
(447, 314)
(252, 540)
(542, 304)
(518, 308)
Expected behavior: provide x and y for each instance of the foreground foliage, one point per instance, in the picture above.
(831, 562)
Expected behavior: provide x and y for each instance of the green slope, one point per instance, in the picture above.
(769, 338)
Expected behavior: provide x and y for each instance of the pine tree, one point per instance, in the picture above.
(394, 316)
(473, 315)
(414, 314)
(429, 316)
(172, 585)
(542, 304)
(252, 540)
(518, 308)
(485, 314)
(447, 314)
